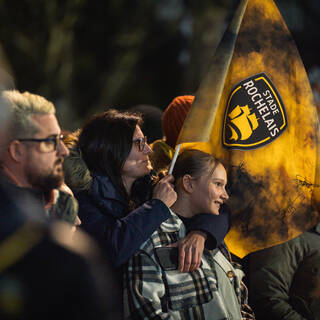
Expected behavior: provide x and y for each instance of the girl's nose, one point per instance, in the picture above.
(225, 195)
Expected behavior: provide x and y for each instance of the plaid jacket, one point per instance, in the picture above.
(150, 292)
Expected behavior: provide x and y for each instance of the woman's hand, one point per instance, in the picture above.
(190, 250)
(164, 191)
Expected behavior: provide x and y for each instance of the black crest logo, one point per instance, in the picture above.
(255, 114)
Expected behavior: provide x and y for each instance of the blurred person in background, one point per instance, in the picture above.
(172, 122)
(76, 174)
(314, 78)
(151, 121)
(31, 163)
(284, 280)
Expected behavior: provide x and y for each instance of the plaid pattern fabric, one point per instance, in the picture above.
(151, 292)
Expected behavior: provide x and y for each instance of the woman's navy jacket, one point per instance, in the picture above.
(104, 215)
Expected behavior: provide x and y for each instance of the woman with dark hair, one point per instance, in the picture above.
(116, 153)
(154, 288)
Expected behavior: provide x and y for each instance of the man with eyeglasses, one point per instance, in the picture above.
(34, 152)
(44, 274)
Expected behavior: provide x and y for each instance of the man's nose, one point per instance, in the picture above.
(63, 150)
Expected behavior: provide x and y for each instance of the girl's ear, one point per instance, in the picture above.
(187, 183)
(16, 151)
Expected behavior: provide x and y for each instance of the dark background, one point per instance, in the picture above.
(86, 55)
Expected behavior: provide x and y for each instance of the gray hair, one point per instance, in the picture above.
(22, 107)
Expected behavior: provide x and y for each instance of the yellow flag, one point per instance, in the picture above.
(254, 110)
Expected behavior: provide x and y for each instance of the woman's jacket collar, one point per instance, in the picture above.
(105, 195)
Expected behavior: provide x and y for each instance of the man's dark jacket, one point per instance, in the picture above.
(284, 281)
(39, 277)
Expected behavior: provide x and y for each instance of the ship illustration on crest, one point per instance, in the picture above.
(244, 121)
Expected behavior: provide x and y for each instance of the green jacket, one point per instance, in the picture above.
(284, 281)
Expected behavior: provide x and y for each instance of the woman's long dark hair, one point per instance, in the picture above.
(105, 142)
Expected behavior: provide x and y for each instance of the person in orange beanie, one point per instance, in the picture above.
(172, 122)
(173, 118)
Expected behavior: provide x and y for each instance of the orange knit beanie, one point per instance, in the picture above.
(173, 118)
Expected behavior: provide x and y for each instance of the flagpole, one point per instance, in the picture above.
(174, 158)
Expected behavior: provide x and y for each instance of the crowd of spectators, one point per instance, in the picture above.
(93, 227)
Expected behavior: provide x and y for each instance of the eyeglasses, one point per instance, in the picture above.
(140, 142)
(48, 144)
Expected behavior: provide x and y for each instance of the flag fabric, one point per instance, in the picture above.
(254, 111)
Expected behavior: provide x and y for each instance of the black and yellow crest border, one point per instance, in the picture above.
(257, 77)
